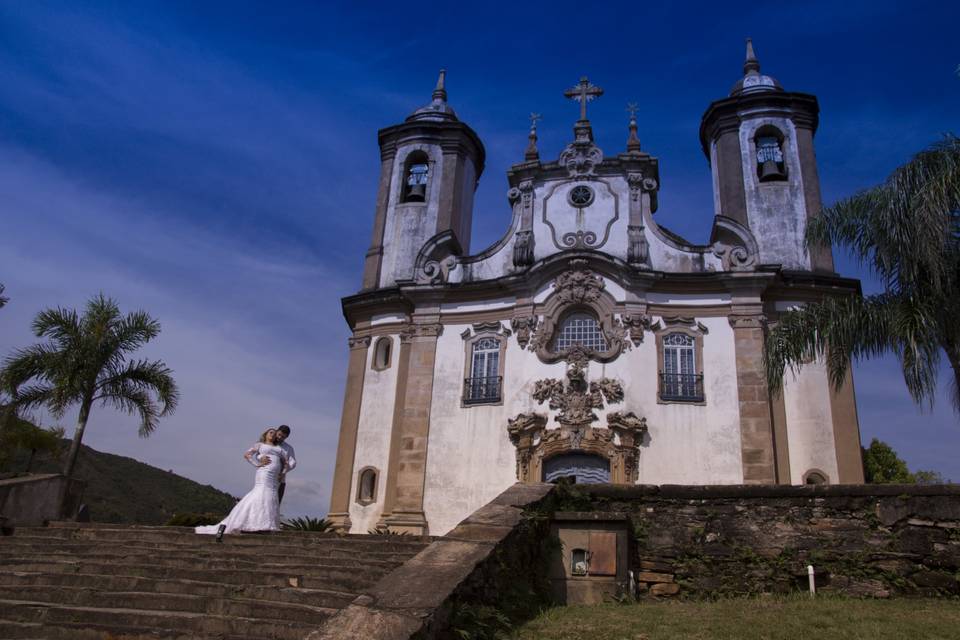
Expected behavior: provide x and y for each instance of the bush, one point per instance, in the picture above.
(193, 519)
(306, 524)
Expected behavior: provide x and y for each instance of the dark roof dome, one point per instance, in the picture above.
(437, 109)
(753, 81)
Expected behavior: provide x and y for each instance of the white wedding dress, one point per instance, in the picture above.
(259, 510)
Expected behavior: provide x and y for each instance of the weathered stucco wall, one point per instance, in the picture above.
(471, 459)
(373, 436)
(870, 540)
(810, 435)
(776, 210)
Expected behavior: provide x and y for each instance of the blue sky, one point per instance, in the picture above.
(216, 165)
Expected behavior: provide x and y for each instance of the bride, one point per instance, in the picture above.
(259, 510)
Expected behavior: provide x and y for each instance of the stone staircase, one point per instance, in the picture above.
(99, 582)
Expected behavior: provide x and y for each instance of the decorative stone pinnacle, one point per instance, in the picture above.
(440, 91)
(751, 65)
(633, 142)
(532, 153)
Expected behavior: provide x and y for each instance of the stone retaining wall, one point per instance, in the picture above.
(863, 540)
(494, 560)
(36, 499)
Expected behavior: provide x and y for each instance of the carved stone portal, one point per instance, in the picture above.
(575, 401)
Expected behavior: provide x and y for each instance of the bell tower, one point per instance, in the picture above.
(429, 169)
(759, 142)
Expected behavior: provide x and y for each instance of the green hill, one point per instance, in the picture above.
(124, 490)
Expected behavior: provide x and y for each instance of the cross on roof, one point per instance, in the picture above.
(533, 120)
(583, 92)
(632, 109)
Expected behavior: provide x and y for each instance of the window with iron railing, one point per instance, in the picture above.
(484, 383)
(680, 387)
(477, 390)
(679, 380)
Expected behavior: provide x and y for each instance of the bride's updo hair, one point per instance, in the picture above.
(263, 436)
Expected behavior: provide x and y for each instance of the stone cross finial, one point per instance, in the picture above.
(583, 92)
(533, 121)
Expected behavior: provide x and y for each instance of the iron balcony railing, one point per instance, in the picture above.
(477, 390)
(681, 387)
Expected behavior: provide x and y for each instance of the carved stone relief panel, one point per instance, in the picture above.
(575, 400)
(578, 219)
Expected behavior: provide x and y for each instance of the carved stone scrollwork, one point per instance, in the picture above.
(579, 239)
(523, 249)
(524, 328)
(524, 430)
(437, 259)
(420, 331)
(437, 271)
(576, 400)
(635, 325)
(513, 194)
(581, 158)
(638, 249)
(747, 321)
(358, 342)
(485, 327)
(635, 182)
(579, 284)
(734, 244)
(734, 258)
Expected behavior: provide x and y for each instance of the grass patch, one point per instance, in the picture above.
(765, 618)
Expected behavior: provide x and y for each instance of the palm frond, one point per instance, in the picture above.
(905, 227)
(60, 325)
(33, 397)
(3, 300)
(154, 378)
(130, 399)
(845, 329)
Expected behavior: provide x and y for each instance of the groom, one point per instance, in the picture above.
(283, 432)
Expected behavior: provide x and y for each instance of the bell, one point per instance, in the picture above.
(417, 192)
(770, 170)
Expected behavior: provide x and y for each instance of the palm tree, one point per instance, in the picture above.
(3, 300)
(85, 362)
(907, 230)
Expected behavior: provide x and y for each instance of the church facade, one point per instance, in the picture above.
(589, 342)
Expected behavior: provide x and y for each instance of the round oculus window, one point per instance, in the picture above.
(580, 196)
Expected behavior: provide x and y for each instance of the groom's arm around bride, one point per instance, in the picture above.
(283, 432)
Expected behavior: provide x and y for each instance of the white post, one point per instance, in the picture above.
(812, 581)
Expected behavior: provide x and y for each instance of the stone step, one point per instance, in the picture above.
(187, 537)
(303, 566)
(188, 624)
(266, 552)
(264, 593)
(206, 558)
(341, 579)
(13, 630)
(236, 606)
(133, 531)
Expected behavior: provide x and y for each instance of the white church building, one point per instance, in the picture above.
(589, 342)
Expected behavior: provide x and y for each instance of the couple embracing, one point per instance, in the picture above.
(259, 510)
